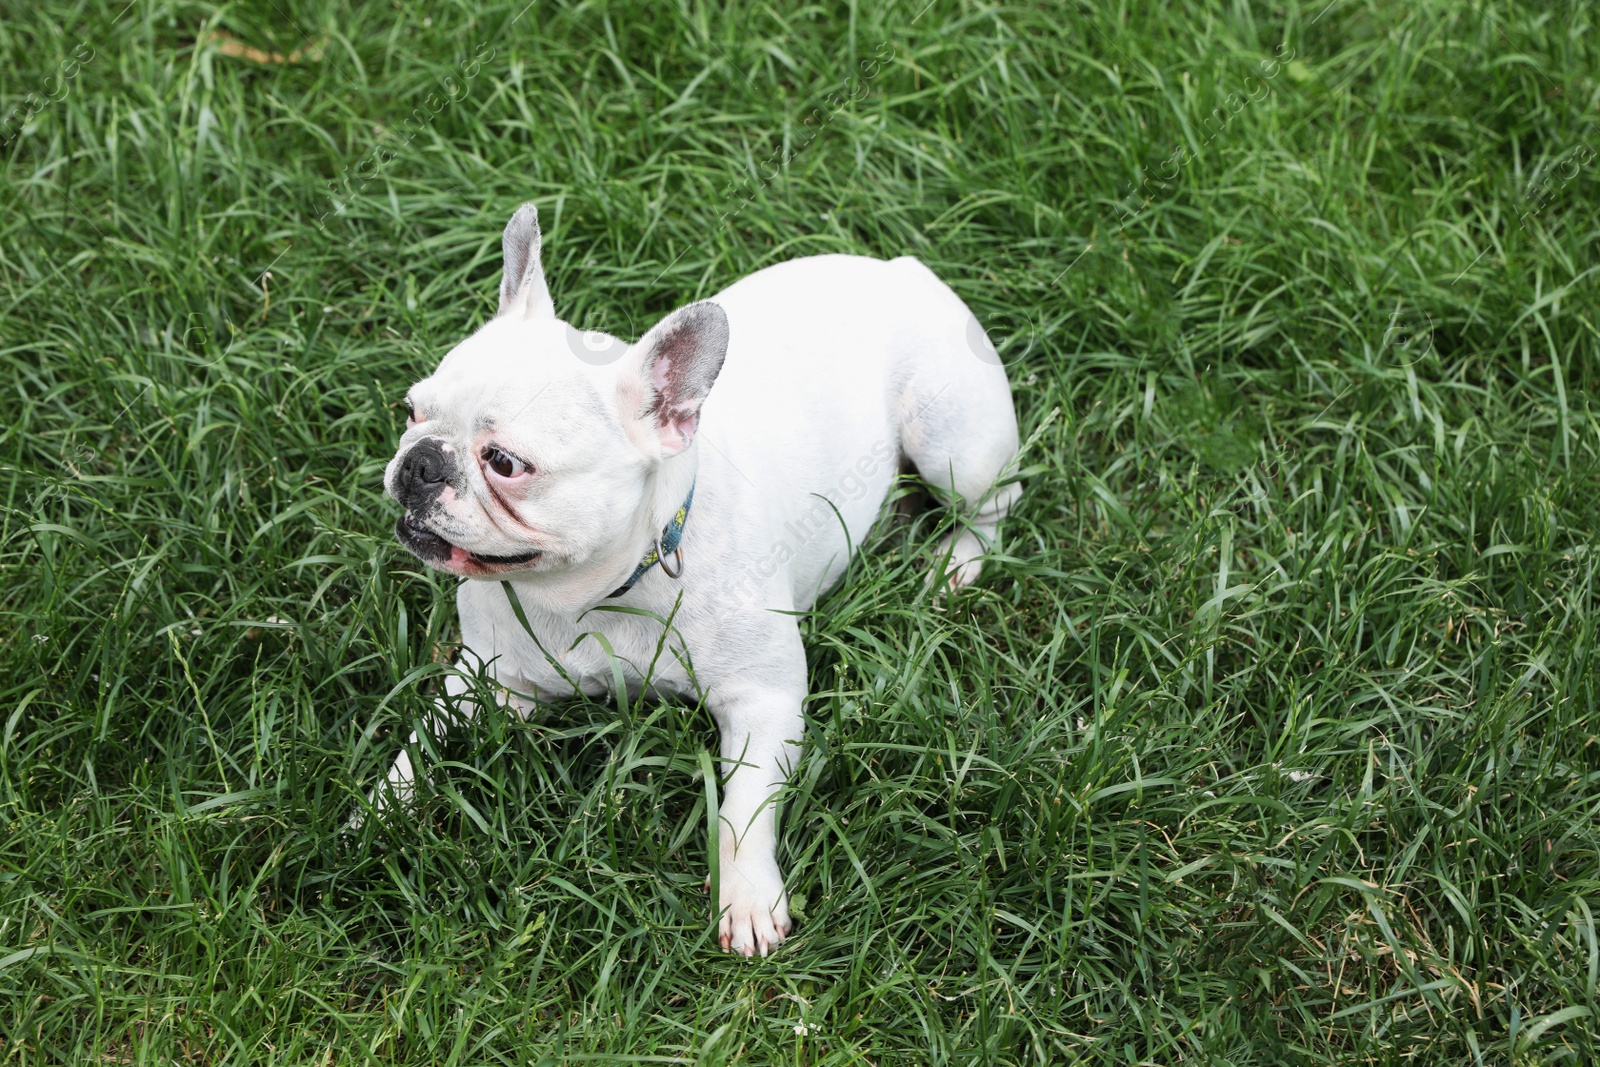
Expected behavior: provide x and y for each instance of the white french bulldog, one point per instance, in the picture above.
(731, 458)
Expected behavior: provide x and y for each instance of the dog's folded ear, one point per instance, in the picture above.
(673, 367)
(522, 288)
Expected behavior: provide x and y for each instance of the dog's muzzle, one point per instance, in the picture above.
(431, 548)
(423, 474)
(423, 542)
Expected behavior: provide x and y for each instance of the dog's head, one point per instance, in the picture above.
(533, 446)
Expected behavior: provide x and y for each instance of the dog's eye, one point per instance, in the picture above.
(411, 413)
(502, 464)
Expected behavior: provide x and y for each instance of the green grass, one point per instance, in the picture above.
(1270, 738)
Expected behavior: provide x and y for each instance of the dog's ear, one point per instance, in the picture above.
(522, 288)
(672, 370)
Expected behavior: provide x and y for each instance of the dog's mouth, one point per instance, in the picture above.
(433, 549)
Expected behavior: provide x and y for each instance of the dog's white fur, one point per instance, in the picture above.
(832, 369)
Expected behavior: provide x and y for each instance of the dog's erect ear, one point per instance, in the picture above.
(676, 363)
(522, 287)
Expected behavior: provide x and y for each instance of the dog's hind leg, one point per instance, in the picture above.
(968, 485)
(958, 427)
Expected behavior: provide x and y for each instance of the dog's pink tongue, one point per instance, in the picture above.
(459, 555)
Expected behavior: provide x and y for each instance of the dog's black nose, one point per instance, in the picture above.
(423, 471)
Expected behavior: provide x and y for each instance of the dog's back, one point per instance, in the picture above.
(837, 366)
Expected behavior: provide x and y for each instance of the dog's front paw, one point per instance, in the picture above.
(755, 909)
(385, 797)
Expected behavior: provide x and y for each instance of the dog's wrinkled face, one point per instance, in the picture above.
(513, 458)
(524, 453)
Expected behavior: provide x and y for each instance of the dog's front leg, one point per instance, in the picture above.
(760, 745)
(399, 787)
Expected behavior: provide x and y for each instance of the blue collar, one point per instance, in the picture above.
(665, 545)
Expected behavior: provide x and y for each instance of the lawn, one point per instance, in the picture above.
(1269, 736)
